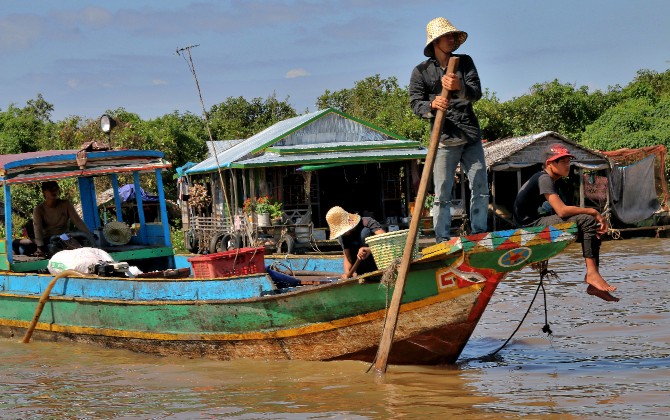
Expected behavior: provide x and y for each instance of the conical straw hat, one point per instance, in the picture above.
(340, 221)
(117, 233)
(438, 27)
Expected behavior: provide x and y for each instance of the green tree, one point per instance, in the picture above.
(555, 106)
(25, 129)
(648, 84)
(381, 102)
(494, 117)
(634, 123)
(237, 118)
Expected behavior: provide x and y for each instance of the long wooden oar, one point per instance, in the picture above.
(353, 268)
(43, 301)
(384, 349)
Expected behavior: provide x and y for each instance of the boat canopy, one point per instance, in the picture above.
(57, 164)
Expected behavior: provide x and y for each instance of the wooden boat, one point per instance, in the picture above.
(246, 315)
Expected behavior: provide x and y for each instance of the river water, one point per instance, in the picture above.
(603, 360)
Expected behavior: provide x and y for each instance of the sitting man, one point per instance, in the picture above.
(52, 216)
(538, 203)
(351, 230)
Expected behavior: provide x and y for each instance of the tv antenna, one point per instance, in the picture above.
(183, 52)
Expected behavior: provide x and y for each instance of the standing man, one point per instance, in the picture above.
(461, 137)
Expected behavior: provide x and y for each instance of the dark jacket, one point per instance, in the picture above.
(365, 228)
(425, 85)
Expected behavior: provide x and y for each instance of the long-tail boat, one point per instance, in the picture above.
(248, 314)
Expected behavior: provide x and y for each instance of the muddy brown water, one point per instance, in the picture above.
(603, 360)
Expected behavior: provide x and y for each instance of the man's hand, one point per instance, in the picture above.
(451, 82)
(40, 253)
(602, 224)
(363, 252)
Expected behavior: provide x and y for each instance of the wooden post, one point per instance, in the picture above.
(580, 171)
(493, 196)
(381, 361)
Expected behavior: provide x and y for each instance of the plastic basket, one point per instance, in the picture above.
(237, 262)
(389, 246)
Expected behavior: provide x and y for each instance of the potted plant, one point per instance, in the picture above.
(267, 209)
(428, 204)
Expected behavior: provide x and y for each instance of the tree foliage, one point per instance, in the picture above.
(21, 129)
(237, 118)
(379, 101)
(633, 116)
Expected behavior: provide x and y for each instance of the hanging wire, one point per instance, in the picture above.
(544, 271)
(191, 67)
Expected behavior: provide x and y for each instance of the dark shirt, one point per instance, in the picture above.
(425, 84)
(530, 203)
(354, 240)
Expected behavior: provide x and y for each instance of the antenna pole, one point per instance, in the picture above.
(191, 67)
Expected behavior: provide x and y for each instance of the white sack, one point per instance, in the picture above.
(82, 260)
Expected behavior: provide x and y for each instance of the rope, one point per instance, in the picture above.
(275, 266)
(390, 274)
(542, 268)
(614, 233)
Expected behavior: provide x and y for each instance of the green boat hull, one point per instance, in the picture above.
(445, 295)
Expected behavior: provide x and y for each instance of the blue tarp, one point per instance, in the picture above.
(127, 192)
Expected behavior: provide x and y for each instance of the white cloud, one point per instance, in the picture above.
(292, 74)
(73, 83)
(157, 82)
(19, 32)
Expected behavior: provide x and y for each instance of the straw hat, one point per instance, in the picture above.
(340, 221)
(117, 233)
(438, 27)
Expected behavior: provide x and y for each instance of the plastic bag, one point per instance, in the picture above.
(82, 260)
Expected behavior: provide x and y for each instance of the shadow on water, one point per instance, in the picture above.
(603, 360)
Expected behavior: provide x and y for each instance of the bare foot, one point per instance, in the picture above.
(597, 281)
(601, 294)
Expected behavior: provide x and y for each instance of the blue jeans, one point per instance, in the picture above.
(471, 157)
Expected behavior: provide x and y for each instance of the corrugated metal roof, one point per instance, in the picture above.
(368, 156)
(321, 129)
(220, 146)
(518, 152)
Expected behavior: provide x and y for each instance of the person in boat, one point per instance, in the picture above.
(351, 231)
(461, 137)
(538, 203)
(52, 218)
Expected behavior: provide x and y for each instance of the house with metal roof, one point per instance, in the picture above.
(316, 161)
(512, 161)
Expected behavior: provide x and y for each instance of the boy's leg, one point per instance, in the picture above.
(446, 161)
(588, 227)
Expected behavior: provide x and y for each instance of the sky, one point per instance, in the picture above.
(87, 57)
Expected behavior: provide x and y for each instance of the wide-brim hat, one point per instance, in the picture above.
(340, 221)
(438, 27)
(556, 151)
(117, 233)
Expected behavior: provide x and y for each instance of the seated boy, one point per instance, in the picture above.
(538, 203)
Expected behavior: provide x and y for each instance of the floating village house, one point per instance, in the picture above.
(313, 162)
(629, 192)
